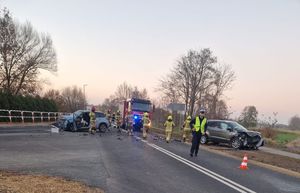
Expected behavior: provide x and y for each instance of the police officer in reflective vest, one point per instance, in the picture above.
(198, 126)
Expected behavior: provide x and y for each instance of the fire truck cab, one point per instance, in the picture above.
(133, 110)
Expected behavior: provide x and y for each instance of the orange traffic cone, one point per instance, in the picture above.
(243, 165)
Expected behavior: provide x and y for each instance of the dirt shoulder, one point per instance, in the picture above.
(279, 163)
(23, 183)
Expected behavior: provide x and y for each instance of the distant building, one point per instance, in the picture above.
(178, 107)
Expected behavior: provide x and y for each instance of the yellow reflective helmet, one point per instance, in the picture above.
(189, 118)
(170, 117)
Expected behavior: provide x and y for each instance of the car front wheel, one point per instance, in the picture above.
(236, 143)
(102, 127)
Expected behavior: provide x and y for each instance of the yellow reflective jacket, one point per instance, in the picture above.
(92, 117)
(187, 124)
(198, 126)
(169, 125)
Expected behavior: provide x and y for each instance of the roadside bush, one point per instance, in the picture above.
(28, 103)
(25, 103)
(268, 133)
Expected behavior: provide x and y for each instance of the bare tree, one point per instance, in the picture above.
(168, 86)
(73, 98)
(110, 104)
(248, 118)
(23, 53)
(191, 76)
(123, 92)
(223, 79)
(56, 96)
(294, 122)
(141, 94)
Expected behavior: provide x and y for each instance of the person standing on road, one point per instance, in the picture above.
(146, 124)
(129, 123)
(198, 125)
(169, 124)
(92, 129)
(108, 115)
(118, 120)
(113, 120)
(186, 128)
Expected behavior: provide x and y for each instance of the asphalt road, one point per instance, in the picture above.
(119, 163)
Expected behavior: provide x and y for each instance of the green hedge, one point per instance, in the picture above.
(26, 103)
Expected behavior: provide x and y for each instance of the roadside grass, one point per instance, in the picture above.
(285, 138)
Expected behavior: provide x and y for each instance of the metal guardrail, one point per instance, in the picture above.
(12, 116)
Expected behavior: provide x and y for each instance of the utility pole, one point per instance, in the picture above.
(84, 96)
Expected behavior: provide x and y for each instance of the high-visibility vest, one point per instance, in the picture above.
(198, 126)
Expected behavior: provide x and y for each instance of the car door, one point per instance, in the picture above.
(101, 118)
(85, 122)
(213, 128)
(78, 118)
(225, 131)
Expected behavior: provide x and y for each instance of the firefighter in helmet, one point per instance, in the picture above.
(146, 124)
(113, 119)
(92, 129)
(118, 120)
(186, 128)
(108, 115)
(129, 123)
(169, 124)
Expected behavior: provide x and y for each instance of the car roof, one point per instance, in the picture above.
(219, 120)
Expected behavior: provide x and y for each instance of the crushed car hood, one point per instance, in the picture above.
(253, 133)
(67, 117)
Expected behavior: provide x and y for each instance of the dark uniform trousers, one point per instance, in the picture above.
(196, 142)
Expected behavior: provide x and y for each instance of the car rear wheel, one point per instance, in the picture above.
(102, 127)
(203, 139)
(236, 143)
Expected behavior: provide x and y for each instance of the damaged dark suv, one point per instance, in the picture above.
(232, 133)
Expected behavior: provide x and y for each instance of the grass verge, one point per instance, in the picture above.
(23, 183)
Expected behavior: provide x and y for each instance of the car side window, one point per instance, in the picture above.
(98, 114)
(224, 126)
(212, 124)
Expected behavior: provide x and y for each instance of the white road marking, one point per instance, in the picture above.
(201, 169)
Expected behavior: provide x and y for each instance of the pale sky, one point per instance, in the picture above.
(104, 43)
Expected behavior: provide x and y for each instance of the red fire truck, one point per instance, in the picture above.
(133, 110)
